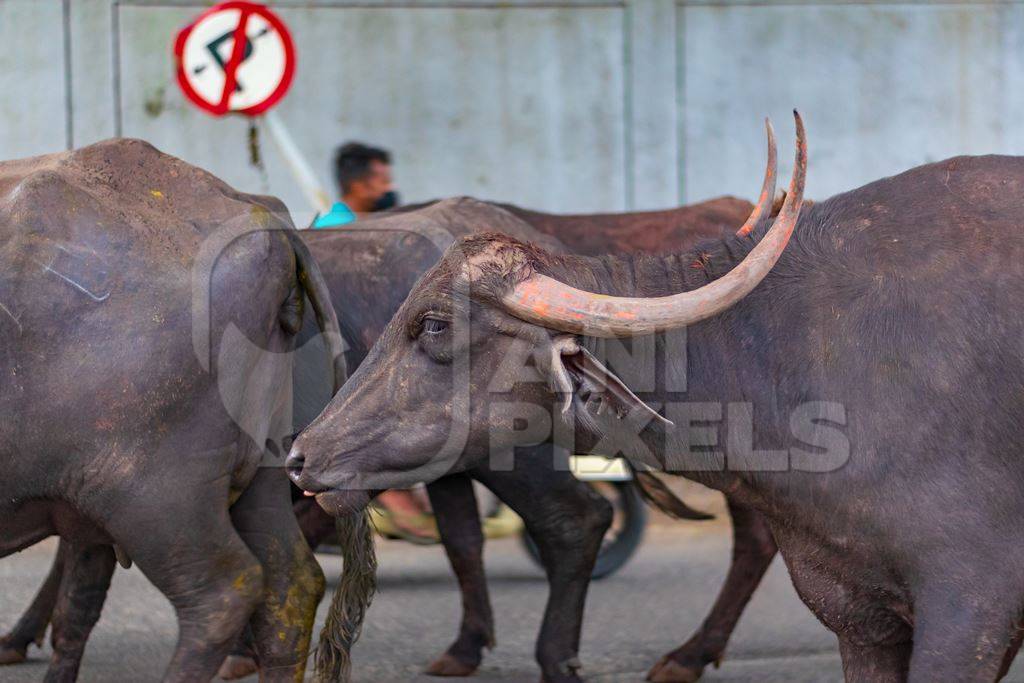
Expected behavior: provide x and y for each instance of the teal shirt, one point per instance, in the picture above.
(339, 214)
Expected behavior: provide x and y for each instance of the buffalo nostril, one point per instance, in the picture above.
(294, 464)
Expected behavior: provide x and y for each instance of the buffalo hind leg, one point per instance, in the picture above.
(282, 624)
(458, 520)
(567, 520)
(1011, 653)
(964, 629)
(317, 526)
(87, 574)
(753, 549)
(31, 628)
(187, 547)
(242, 660)
(875, 663)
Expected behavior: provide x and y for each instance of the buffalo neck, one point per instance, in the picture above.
(725, 369)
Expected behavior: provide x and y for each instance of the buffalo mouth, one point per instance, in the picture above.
(344, 502)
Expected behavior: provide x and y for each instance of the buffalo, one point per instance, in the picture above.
(371, 268)
(147, 316)
(863, 359)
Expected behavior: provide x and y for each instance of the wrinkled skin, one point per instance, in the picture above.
(116, 430)
(896, 510)
(369, 272)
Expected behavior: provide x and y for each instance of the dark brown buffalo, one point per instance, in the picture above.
(648, 232)
(372, 270)
(147, 314)
(371, 267)
(868, 375)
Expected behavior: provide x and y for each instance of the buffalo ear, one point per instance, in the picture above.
(574, 371)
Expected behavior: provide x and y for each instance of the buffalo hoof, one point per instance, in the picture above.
(237, 666)
(567, 678)
(669, 670)
(12, 655)
(448, 665)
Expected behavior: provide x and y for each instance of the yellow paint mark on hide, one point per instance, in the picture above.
(260, 216)
(241, 581)
(157, 193)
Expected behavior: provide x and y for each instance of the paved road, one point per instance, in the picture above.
(632, 618)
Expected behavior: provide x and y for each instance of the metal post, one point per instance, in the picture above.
(297, 163)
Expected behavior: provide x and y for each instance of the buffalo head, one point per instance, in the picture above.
(490, 340)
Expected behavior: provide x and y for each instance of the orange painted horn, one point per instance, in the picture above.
(547, 302)
(764, 201)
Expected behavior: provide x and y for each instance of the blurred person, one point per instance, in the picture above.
(363, 177)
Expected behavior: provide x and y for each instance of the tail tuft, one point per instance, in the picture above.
(351, 599)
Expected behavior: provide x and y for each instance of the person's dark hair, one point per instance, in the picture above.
(352, 162)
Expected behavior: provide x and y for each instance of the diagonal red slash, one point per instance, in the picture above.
(237, 51)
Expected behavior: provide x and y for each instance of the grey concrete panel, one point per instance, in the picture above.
(882, 89)
(93, 100)
(32, 83)
(560, 104)
(523, 104)
(652, 98)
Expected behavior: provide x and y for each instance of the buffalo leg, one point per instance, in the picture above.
(242, 660)
(31, 628)
(875, 664)
(1011, 653)
(317, 526)
(964, 627)
(567, 520)
(282, 624)
(87, 574)
(187, 547)
(753, 549)
(458, 520)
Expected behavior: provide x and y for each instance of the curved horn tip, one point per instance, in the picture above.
(544, 301)
(764, 201)
(794, 198)
(801, 138)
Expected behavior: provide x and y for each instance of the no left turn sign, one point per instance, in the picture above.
(236, 57)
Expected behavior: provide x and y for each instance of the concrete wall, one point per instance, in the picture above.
(569, 106)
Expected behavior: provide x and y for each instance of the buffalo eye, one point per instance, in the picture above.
(434, 326)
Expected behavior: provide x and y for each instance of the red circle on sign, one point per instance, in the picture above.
(231, 67)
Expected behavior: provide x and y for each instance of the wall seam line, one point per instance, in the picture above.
(69, 105)
(115, 66)
(629, 139)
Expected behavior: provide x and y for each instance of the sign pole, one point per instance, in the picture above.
(238, 57)
(297, 163)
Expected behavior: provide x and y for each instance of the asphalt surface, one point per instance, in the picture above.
(632, 618)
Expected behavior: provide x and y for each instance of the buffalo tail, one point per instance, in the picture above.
(351, 599)
(659, 496)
